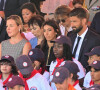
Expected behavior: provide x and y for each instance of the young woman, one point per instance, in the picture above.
(51, 31)
(62, 51)
(16, 45)
(35, 24)
(28, 10)
(7, 69)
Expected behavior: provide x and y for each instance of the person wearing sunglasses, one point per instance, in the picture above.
(62, 17)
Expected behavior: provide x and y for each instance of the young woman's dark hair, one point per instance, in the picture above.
(37, 20)
(14, 68)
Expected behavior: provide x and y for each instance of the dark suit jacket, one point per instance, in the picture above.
(3, 33)
(91, 40)
(13, 7)
(95, 25)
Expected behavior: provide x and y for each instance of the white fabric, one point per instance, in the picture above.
(46, 75)
(81, 74)
(28, 35)
(77, 87)
(0, 20)
(38, 82)
(52, 66)
(87, 80)
(1, 85)
(80, 44)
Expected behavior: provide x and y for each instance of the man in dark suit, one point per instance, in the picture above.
(11, 7)
(83, 39)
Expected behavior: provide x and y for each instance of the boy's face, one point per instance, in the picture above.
(17, 87)
(63, 85)
(93, 58)
(5, 67)
(36, 64)
(58, 50)
(95, 76)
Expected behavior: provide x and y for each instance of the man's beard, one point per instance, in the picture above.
(78, 29)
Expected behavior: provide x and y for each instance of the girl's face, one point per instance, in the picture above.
(36, 30)
(5, 68)
(49, 33)
(27, 14)
(12, 28)
(58, 50)
(36, 65)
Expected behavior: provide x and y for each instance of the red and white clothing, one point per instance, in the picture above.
(54, 64)
(76, 85)
(87, 80)
(2, 83)
(36, 81)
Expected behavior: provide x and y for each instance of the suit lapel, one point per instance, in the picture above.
(85, 41)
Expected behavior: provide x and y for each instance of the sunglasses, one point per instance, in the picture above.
(62, 20)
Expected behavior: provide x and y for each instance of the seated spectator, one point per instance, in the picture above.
(35, 24)
(73, 71)
(62, 18)
(3, 33)
(32, 79)
(15, 83)
(61, 79)
(7, 69)
(38, 62)
(16, 45)
(93, 55)
(28, 10)
(51, 31)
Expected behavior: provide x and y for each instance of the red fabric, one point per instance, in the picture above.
(10, 75)
(91, 83)
(40, 70)
(59, 61)
(76, 82)
(25, 79)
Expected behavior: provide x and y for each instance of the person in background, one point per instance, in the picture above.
(32, 78)
(35, 24)
(16, 45)
(61, 15)
(28, 10)
(61, 79)
(11, 7)
(51, 31)
(3, 33)
(15, 83)
(38, 61)
(73, 71)
(7, 69)
(93, 55)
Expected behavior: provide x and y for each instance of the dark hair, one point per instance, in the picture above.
(37, 20)
(78, 2)
(14, 68)
(80, 13)
(53, 24)
(75, 77)
(62, 10)
(30, 6)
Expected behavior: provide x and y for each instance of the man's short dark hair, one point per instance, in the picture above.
(78, 2)
(80, 13)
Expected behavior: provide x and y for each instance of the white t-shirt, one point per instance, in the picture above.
(77, 87)
(46, 74)
(38, 82)
(87, 80)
